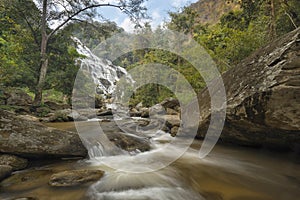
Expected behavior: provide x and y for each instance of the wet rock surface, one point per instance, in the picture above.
(75, 177)
(15, 162)
(263, 98)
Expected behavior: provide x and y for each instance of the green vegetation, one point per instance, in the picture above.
(228, 40)
(237, 34)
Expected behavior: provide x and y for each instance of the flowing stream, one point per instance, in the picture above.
(229, 173)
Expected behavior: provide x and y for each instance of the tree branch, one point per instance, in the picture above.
(32, 30)
(84, 9)
(290, 17)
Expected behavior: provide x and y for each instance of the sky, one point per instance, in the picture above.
(157, 10)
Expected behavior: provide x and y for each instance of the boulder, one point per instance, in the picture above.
(15, 162)
(127, 139)
(172, 120)
(18, 97)
(5, 171)
(170, 103)
(145, 113)
(263, 97)
(171, 111)
(174, 131)
(75, 177)
(129, 142)
(55, 106)
(32, 139)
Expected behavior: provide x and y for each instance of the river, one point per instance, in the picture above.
(228, 173)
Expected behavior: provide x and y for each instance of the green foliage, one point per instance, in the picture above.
(150, 95)
(183, 21)
(93, 33)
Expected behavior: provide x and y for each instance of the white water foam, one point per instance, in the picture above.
(103, 72)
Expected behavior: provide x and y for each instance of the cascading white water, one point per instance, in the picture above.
(102, 78)
(105, 75)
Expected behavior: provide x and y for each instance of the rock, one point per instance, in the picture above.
(26, 180)
(5, 171)
(105, 113)
(64, 116)
(15, 162)
(263, 97)
(23, 110)
(55, 106)
(29, 118)
(171, 111)
(75, 177)
(145, 113)
(174, 131)
(68, 115)
(99, 101)
(139, 105)
(42, 111)
(157, 110)
(128, 142)
(135, 113)
(172, 120)
(3, 97)
(170, 103)
(18, 97)
(32, 139)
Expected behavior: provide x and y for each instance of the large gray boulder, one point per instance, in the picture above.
(32, 139)
(263, 98)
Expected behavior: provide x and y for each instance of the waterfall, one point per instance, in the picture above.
(105, 75)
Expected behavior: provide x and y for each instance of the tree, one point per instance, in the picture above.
(64, 11)
(18, 53)
(183, 21)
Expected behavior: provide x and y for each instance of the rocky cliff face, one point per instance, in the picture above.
(210, 11)
(263, 97)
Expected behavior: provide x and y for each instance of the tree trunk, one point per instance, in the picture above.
(273, 32)
(42, 76)
(44, 58)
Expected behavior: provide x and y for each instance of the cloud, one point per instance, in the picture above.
(156, 18)
(178, 3)
(127, 25)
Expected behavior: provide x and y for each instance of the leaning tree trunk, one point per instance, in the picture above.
(44, 58)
